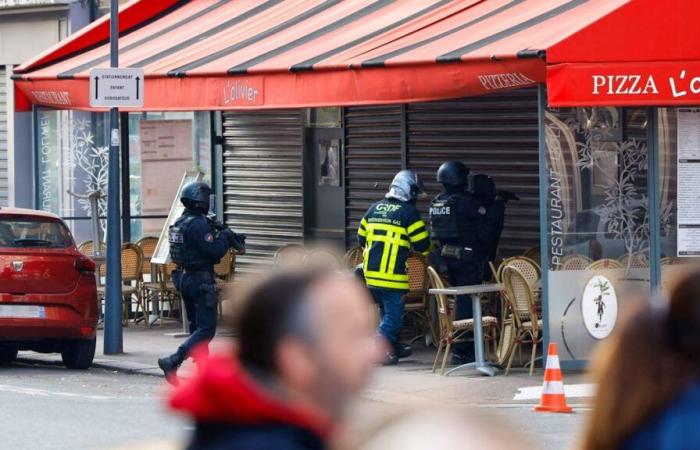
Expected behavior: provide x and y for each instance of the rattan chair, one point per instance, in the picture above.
(527, 324)
(290, 255)
(132, 263)
(416, 299)
(575, 262)
(322, 258)
(161, 290)
(534, 253)
(354, 257)
(605, 264)
(225, 270)
(88, 249)
(455, 331)
(638, 260)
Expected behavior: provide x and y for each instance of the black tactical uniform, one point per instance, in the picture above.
(454, 218)
(197, 243)
(491, 224)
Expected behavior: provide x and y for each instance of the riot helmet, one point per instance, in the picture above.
(406, 186)
(453, 174)
(195, 196)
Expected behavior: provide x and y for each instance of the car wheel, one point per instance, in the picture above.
(79, 354)
(7, 355)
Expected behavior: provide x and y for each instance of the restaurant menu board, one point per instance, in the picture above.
(688, 182)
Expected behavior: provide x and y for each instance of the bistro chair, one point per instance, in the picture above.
(416, 299)
(87, 248)
(575, 262)
(161, 289)
(290, 255)
(605, 264)
(224, 271)
(148, 247)
(527, 324)
(323, 259)
(638, 260)
(131, 262)
(455, 331)
(534, 253)
(354, 257)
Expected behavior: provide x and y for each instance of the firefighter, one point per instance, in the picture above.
(454, 217)
(197, 243)
(388, 231)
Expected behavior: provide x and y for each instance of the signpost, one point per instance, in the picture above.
(116, 88)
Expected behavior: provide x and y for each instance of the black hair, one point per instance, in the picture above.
(272, 311)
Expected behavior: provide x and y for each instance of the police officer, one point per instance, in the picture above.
(490, 226)
(388, 231)
(197, 243)
(454, 217)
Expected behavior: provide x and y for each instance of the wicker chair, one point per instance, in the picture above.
(322, 259)
(605, 264)
(637, 260)
(527, 324)
(225, 271)
(455, 331)
(148, 247)
(290, 255)
(161, 289)
(88, 249)
(416, 299)
(534, 253)
(353, 257)
(575, 262)
(132, 263)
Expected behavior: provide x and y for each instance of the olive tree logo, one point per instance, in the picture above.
(599, 307)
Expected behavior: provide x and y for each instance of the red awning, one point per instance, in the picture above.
(646, 53)
(235, 54)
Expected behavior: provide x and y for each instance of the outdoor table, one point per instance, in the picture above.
(480, 364)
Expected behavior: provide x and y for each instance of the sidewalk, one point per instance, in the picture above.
(412, 381)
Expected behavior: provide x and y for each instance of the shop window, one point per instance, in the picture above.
(598, 220)
(324, 118)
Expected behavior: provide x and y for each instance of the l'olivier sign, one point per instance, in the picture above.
(624, 84)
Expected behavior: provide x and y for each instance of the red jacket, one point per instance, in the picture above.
(232, 410)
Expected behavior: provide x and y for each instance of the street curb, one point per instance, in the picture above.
(129, 367)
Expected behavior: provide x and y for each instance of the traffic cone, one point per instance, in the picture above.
(553, 398)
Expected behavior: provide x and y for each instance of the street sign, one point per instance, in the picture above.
(116, 88)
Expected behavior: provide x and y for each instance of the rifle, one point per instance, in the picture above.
(237, 240)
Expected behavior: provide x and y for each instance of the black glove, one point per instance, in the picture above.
(236, 241)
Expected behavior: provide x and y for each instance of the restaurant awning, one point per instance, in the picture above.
(235, 54)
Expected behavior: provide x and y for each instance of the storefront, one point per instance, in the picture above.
(321, 105)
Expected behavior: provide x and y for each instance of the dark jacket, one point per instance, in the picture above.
(233, 411)
(388, 231)
(675, 428)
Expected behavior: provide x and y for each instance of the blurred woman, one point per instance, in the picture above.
(648, 378)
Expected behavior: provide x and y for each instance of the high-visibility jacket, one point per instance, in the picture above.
(388, 231)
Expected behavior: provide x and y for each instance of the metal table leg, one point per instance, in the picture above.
(480, 364)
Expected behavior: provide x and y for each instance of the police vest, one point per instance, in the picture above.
(450, 219)
(184, 250)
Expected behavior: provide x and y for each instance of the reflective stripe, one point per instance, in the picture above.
(420, 237)
(386, 239)
(415, 226)
(362, 232)
(386, 276)
(552, 362)
(553, 387)
(386, 249)
(395, 254)
(387, 284)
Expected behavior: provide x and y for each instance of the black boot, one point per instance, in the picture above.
(391, 359)
(169, 366)
(401, 350)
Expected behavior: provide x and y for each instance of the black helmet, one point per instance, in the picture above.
(453, 173)
(196, 196)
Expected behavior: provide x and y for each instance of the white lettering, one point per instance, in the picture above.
(598, 82)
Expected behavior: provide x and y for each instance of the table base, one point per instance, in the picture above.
(484, 368)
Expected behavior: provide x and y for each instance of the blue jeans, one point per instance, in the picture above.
(391, 307)
(199, 294)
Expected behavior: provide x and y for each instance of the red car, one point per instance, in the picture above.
(48, 293)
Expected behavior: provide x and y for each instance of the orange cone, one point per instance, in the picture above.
(553, 398)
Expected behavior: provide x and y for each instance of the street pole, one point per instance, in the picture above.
(113, 304)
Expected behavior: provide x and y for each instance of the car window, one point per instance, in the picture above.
(25, 231)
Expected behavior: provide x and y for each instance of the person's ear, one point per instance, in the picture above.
(296, 364)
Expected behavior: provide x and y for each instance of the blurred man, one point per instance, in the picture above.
(454, 217)
(197, 243)
(388, 231)
(305, 348)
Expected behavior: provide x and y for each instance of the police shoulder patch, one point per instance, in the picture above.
(209, 237)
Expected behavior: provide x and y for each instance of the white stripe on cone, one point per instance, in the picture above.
(552, 362)
(553, 387)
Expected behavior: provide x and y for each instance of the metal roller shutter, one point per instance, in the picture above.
(263, 187)
(496, 135)
(4, 185)
(372, 158)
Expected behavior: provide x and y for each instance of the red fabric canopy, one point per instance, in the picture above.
(645, 53)
(236, 54)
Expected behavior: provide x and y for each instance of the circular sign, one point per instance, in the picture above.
(599, 307)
